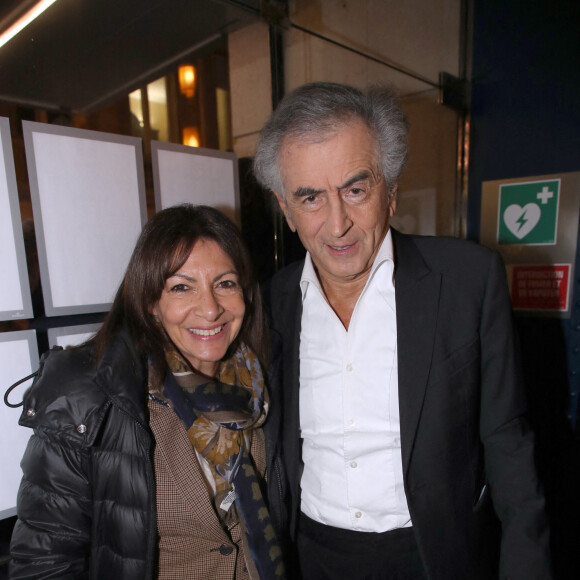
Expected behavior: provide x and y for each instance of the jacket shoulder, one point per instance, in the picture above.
(281, 291)
(288, 277)
(451, 256)
(446, 246)
(63, 398)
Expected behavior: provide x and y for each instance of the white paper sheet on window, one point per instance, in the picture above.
(18, 358)
(71, 335)
(89, 206)
(15, 300)
(195, 175)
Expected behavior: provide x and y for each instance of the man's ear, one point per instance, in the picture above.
(285, 211)
(393, 197)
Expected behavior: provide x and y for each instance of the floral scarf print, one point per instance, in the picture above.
(219, 415)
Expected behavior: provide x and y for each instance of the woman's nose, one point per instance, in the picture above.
(208, 306)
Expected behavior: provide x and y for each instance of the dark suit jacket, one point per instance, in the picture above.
(465, 442)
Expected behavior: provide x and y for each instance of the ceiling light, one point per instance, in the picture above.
(24, 21)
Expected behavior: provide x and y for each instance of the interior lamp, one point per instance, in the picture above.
(191, 136)
(187, 80)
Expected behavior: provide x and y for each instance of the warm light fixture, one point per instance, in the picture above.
(187, 80)
(24, 21)
(191, 136)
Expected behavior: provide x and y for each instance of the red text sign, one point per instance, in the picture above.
(541, 287)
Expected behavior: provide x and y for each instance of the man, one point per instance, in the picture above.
(395, 365)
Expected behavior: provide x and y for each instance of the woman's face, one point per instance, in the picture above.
(202, 306)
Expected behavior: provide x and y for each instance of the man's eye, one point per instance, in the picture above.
(357, 191)
(310, 199)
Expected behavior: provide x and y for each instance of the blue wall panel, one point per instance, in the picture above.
(526, 122)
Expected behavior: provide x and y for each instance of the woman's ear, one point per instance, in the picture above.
(154, 311)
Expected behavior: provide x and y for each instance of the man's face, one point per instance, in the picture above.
(337, 201)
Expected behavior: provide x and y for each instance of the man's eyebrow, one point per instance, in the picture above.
(360, 176)
(307, 191)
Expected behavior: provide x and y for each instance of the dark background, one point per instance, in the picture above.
(526, 122)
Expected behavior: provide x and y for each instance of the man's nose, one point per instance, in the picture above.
(338, 221)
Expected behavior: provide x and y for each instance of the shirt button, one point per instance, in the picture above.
(349, 367)
(358, 515)
(351, 422)
(353, 464)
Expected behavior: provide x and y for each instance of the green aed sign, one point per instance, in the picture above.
(528, 212)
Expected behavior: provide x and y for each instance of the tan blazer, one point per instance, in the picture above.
(192, 541)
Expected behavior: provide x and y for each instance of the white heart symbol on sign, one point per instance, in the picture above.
(521, 220)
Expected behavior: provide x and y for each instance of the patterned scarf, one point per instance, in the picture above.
(218, 416)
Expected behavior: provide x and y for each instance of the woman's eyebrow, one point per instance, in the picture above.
(193, 280)
(181, 275)
(226, 273)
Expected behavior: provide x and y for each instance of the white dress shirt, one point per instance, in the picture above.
(349, 405)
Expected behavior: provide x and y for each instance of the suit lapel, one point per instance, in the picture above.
(287, 325)
(292, 376)
(292, 383)
(417, 296)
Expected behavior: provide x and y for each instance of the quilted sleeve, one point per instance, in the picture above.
(51, 538)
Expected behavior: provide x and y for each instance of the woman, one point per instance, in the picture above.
(148, 450)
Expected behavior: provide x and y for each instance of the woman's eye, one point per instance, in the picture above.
(227, 284)
(178, 288)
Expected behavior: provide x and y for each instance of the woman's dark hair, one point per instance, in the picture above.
(162, 248)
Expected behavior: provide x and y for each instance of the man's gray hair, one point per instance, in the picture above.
(312, 112)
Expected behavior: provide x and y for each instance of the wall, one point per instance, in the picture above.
(525, 120)
(419, 36)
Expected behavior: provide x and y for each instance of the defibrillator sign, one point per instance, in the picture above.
(532, 221)
(528, 212)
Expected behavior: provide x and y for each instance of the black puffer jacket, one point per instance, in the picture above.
(86, 504)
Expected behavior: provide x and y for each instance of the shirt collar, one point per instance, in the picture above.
(385, 254)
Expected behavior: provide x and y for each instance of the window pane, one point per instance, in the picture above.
(157, 97)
